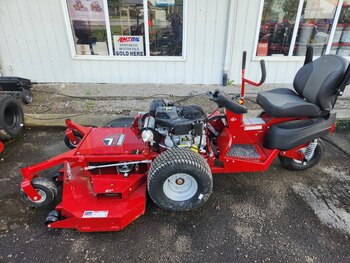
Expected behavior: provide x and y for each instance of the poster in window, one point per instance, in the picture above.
(128, 46)
(86, 10)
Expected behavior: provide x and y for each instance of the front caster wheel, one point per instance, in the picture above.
(73, 145)
(296, 165)
(179, 180)
(46, 189)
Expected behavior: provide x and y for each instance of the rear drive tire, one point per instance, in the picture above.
(11, 118)
(47, 190)
(295, 165)
(179, 180)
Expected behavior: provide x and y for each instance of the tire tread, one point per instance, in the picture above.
(178, 157)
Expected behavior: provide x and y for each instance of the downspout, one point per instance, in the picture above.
(232, 10)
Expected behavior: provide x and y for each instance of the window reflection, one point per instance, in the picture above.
(165, 27)
(315, 26)
(127, 27)
(341, 40)
(277, 26)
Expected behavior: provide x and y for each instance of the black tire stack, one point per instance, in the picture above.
(11, 117)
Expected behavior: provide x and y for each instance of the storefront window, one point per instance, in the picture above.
(127, 27)
(287, 27)
(127, 35)
(315, 26)
(165, 27)
(341, 40)
(276, 28)
(89, 27)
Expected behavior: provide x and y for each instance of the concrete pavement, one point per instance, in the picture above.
(274, 216)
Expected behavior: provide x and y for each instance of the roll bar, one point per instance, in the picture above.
(262, 67)
(345, 81)
(244, 80)
(309, 54)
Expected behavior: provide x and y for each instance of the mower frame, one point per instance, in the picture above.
(87, 206)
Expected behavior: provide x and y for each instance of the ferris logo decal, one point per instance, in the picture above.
(114, 140)
(128, 39)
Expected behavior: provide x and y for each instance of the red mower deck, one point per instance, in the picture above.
(97, 199)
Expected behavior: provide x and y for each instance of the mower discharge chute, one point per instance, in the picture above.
(172, 151)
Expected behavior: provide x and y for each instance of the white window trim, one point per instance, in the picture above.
(290, 57)
(111, 57)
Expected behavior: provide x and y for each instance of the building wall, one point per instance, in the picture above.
(34, 44)
(245, 33)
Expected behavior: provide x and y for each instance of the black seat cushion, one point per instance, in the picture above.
(318, 81)
(316, 84)
(286, 103)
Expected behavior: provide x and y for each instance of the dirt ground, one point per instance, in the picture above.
(123, 100)
(277, 216)
(51, 101)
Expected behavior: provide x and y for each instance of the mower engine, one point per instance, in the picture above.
(169, 126)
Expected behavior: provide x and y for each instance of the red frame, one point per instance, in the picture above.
(105, 200)
(85, 192)
(240, 132)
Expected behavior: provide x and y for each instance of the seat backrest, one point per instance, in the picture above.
(319, 80)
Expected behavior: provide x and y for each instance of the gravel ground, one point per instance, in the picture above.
(49, 100)
(278, 216)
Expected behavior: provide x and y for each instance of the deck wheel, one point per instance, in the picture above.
(46, 189)
(52, 217)
(73, 145)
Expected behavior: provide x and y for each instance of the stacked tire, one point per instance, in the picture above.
(11, 118)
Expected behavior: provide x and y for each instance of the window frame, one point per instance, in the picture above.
(112, 57)
(290, 56)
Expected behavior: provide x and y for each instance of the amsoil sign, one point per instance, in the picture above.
(128, 46)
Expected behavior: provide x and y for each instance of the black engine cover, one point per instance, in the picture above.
(192, 112)
(179, 119)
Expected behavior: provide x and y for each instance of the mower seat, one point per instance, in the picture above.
(316, 85)
(286, 103)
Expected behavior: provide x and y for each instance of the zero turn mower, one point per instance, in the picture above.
(172, 151)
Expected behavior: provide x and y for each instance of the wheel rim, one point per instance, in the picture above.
(43, 196)
(180, 187)
(29, 98)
